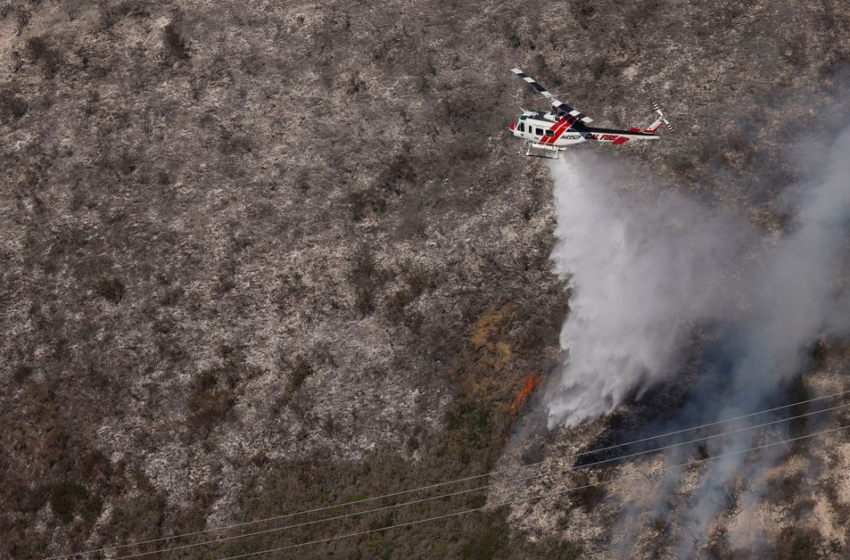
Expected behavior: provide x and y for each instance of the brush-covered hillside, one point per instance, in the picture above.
(262, 257)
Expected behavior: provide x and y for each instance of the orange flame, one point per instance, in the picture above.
(531, 382)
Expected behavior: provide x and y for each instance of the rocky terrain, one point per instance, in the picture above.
(263, 257)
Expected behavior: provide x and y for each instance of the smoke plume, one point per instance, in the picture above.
(647, 268)
(644, 268)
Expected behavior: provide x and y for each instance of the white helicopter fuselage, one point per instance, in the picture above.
(537, 127)
(551, 131)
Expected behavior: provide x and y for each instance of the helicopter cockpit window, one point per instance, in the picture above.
(522, 127)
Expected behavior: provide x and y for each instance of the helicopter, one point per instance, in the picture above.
(548, 133)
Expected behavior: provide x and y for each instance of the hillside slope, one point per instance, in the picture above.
(266, 256)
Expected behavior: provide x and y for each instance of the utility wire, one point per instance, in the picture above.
(440, 484)
(470, 490)
(750, 415)
(437, 485)
(521, 500)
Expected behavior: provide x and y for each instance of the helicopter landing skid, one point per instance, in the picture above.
(535, 149)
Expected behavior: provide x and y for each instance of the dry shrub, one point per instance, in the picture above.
(490, 538)
(598, 67)
(416, 282)
(69, 498)
(125, 163)
(211, 399)
(22, 19)
(554, 549)
(41, 51)
(839, 507)
(797, 392)
(235, 144)
(12, 107)
(365, 203)
(298, 374)
(174, 44)
(366, 278)
(21, 373)
(395, 305)
(138, 517)
(511, 33)
(111, 289)
(170, 296)
(355, 84)
(587, 494)
(718, 545)
(396, 174)
(784, 490)
(798, 544)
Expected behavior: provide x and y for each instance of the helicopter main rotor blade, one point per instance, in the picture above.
(559, 106)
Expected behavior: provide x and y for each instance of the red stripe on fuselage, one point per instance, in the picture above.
(562, 126)
(562, 130)
(554, 127)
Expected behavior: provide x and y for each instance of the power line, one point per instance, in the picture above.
(470, 490)
(717, 423)
(439, 484)
(521, 500)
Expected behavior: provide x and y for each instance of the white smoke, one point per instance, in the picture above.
(794, 291)
(644, 268)
(795, 297)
